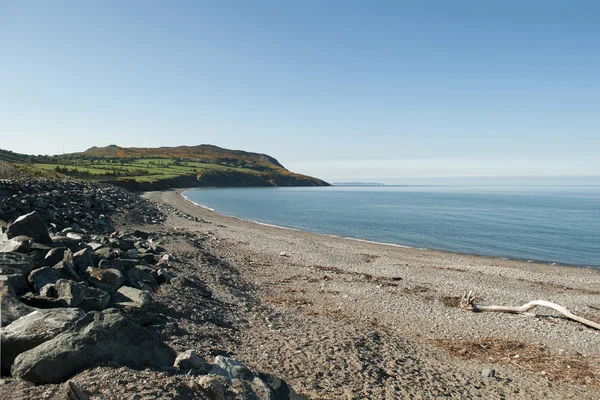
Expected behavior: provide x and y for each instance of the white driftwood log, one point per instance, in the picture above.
(467, 303)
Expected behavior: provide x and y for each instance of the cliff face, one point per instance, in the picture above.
(221, 179)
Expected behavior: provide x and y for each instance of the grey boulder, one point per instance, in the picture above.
(98, 337)
(54, 256)
(12, 307)
(190, 361)
(44, 276)
(16, 263)
(131, 297)
(142, 277)
(106, 279)
(31, 225)
(33, 329)
(17, 281)
(71, 293)
(248, 384)
(95, 300)
(18, 244)
(83, 259)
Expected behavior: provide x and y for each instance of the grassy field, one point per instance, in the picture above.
(140, 170)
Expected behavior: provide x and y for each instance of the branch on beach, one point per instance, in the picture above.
(468, 303)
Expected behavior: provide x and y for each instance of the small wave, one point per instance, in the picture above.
(196, 204)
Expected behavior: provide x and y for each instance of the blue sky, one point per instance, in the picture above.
(391, 91)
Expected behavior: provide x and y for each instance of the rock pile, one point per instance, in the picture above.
(52, 281)
(72, 204)
(67, 282)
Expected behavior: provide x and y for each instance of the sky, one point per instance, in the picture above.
(386, 91)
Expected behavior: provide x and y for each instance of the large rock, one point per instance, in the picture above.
(98, 337)
(17, 281)
(46, 299)
(18, 244)
(230, 369)
(190, 361)
(31, 225)
(83, 259)
(71, 293)
(66, 269)
(33, 329)
(142, 277)
(63, 241)
(247, 384)
(105, 253)
(132, 297)
(54, 256)
(16, 263)
(114, 264)
(95, 300)
(12, 307)
(106, 279)
(44, 276)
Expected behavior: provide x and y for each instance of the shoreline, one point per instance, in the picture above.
(181, 192)
(329, 298)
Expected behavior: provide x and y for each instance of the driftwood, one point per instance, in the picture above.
(468, 303)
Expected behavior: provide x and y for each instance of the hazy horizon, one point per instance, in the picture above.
(345, 91)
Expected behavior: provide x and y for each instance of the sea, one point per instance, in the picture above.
(559, 225)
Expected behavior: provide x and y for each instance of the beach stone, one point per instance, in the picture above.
(18, 244)
(71, 293)
(105, 253)
(16, 263)
(31, 225)
(54, 256)
(189, 360)
(166, 259)
(214, 385)
(95, 300)
(230, 369)
(97, 337)
(17, 281)
(75, 236)
(12, 307)
(83, 259)
(63, 241)
(106, 279)
(163, 276)
(66, 269)
(75, 392)
(141, 277)
(44, 276)
(131, 297)
(95, 246)
(33, 329)
(46, 300)
(488, 373)
(115, 264)
(141, 234)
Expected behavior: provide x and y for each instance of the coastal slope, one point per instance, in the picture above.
(143, 169)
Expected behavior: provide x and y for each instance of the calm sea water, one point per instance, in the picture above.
(552, 224)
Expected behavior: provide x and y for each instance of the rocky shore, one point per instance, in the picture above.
(107, 294)
(84, 291)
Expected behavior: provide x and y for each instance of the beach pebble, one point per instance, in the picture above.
(488, 373)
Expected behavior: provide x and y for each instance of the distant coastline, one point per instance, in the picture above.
(358, 184)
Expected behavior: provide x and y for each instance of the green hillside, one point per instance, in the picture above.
(165, 167)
